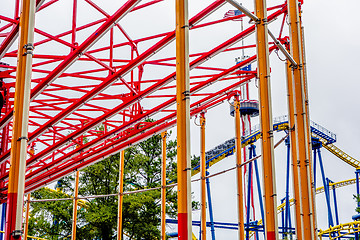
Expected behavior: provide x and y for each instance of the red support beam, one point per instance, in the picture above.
(35, 176)
(74, 55)
(157, 127)
(153, 111)
(109, 80)
(13, 35)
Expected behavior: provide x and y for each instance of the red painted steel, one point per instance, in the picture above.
(61, 112)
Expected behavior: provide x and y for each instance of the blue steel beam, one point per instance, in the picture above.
(249, 194)
(287, 192)
(3, 220)
(211, 213)
(326, 188)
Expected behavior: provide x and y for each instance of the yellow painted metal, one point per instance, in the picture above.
(295, 166)
(319, 190)
(263, 71)
(239, 172)
(341, 230)
(21, 117)
(163, 186)
(337, 185)
(30, 237)
(339, 153)
(183, 120)
(82, 203)
(203, 175)
(121, 190)
(301, 126)
(76, 192)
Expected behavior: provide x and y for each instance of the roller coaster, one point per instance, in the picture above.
(319, 134)
(112, 63)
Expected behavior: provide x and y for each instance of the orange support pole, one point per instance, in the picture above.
(75, 204)
(15, 198)
(163, 186)
(295, 166)
(239, 173)
(301, 127)
(27, 217)
(121, 190)
(26, 228)
(308, 125)
(203, 175)
(183, 120)
(263, 71)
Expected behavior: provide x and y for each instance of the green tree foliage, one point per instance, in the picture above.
(357, 198)
(98, 220)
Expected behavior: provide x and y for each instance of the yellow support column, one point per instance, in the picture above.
(263, 71)
(183, 120)
(16, 185)
(239, 172)
(203, 176)
(75, 204)
(163, 186)
(121, 191)
(301, 126)
(295, 166)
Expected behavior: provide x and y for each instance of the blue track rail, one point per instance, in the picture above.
(280, 124)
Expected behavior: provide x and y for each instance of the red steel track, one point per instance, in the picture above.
(105, 67)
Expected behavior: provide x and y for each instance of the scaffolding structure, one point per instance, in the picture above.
(112, 65)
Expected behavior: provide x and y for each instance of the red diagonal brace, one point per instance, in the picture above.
(73, 56)
(107, 82)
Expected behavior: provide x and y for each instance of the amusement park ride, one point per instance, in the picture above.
(107, 62)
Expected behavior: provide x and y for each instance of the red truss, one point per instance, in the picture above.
(113, 65)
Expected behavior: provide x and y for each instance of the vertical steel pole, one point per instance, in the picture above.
(283, 229)
(27, 217)
(163, 186)
(19, 139)
(75, 204)
(271, 225)
(31, 153)
(3, 220)
(335, 203)
(73, 28)
(301, 126)
(183, 120)
(211, 212)
(287, 203)
(326, 189)
(295, 164)
(249, 195)
(203, 174)
(239, 173)
(307, 118)
(121, 190)
(357, 172)
(314, 167)
(259, 189)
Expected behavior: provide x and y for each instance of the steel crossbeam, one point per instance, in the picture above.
(135, 98)
(57, 120)
(110, 80)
